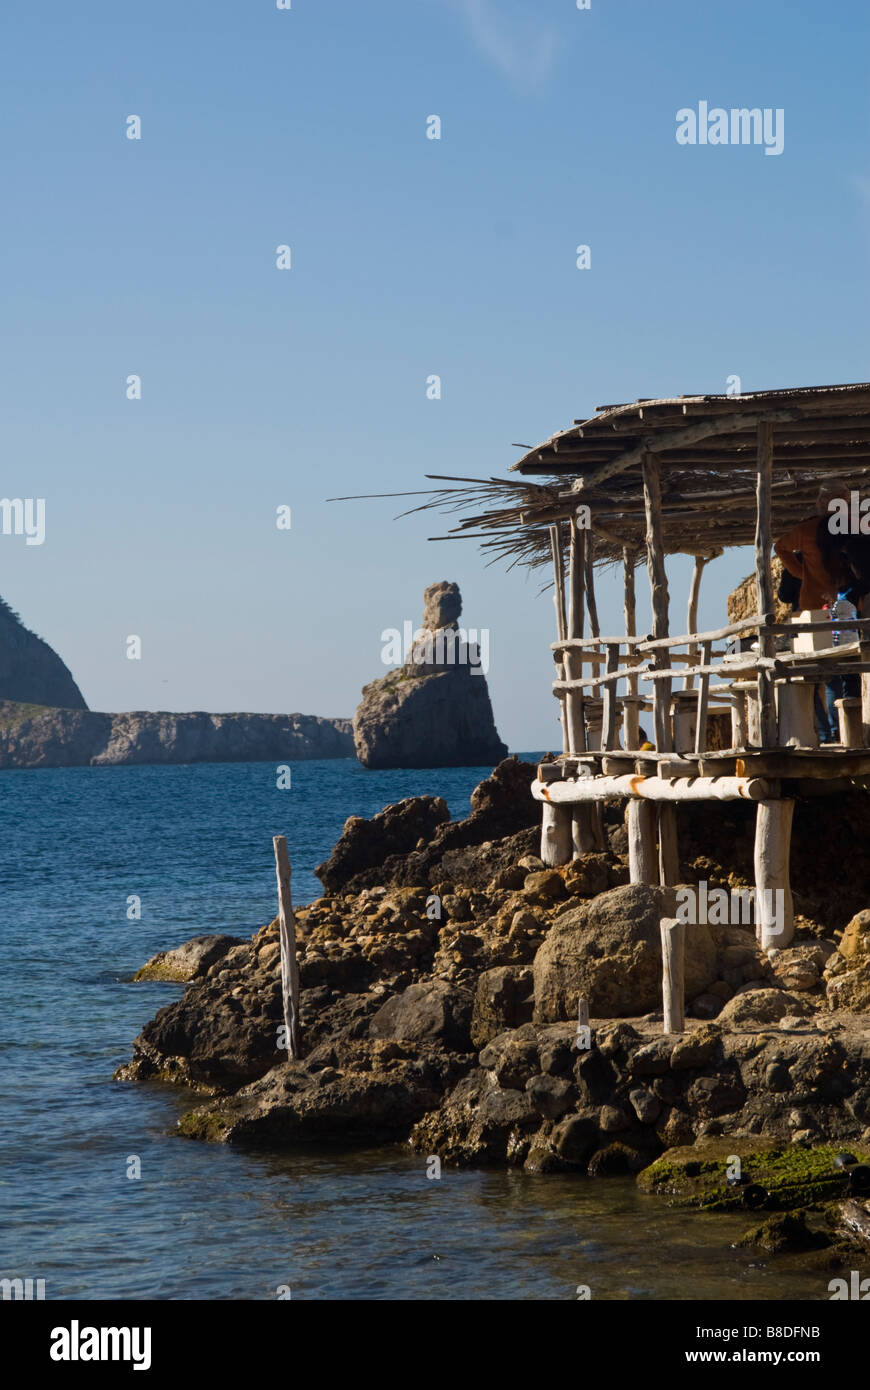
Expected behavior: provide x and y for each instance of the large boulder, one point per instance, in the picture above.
(432, 1012)
(609, 952)
(434, 710)
(368, 844)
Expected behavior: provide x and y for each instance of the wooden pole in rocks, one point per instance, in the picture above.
(764, 583)
(774, 914)
(287, 933)
(673, 973)
(641, 827)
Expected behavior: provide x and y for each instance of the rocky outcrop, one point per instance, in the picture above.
(434, 710)
(31, 736)
(442, 1011)
(31, 672)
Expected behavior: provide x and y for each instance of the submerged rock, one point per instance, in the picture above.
(186, 962)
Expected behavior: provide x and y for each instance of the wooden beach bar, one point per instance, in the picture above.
(673, 716)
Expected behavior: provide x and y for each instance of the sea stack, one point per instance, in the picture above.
(31, 672)
(434, 709)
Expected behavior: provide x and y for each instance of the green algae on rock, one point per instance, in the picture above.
(771, 1175)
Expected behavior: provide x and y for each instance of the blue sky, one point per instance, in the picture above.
(410, 256)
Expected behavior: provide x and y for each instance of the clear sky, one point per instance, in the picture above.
(264, 387)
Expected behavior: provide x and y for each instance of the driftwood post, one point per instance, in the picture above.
(631, 720)
(596, 812)
(673, 973)
(669, 865)
(694, 592)
(287, 932)
(774, 911)
(655, 559)
(763, 583)
(641, 817)
(573, 660)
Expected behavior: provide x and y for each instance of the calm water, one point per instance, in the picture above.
(194, 844)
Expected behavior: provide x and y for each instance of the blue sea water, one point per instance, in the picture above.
(194, 844)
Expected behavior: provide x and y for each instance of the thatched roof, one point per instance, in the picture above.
(706, 446)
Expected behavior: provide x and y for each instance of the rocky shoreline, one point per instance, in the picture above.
(440, 974)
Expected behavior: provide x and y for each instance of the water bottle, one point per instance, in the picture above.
(842, 609)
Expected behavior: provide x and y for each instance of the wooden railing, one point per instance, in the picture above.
(749, 678)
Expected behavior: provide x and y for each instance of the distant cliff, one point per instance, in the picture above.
(434, 710)
(34, 736)
(30, 670)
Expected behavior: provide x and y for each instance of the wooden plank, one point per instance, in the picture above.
(287, 937)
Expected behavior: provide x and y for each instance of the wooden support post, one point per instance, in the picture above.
(609, 738)
(774, 910)
(795, 715)
(591, 605)
(287, 937)
(864, 653)
(655, 559)
(582, 830)
(763, 582)
(694, 592)
(630, 724)
(573, 661)
(673, 974)
(703, 697)
(556, 841)
(849, 717)
(561, 627)
(669, 859)
(641, 825)
(739, 725)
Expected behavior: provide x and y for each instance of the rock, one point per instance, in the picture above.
(551, 1096)
(367, 844)
(575, 1137)
(32, 737)
(545, 887)
(784, 1231)
(851, 990)
(432, 1011)
(502, 1002)
(31, 672)
(512, 1058)
(694, 1050)
(786, 1176)
(855, 943)
(706, 1006)
(609, 951)
(646, 1106)
(761, 1006)
(189, 960)
(434, 711)
(612, 1119)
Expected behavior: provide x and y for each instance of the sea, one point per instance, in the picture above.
(101, 1198)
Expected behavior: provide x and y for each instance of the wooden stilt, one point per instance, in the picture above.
(669, 859)
(774, 910)
(573, 661)
(763, 581)
(641, 825)
(739, 726)
(630, 724)
(287, 936)
(556, 835)
(694, 593)
(673, 974)
(561, 627)
(655, 559)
